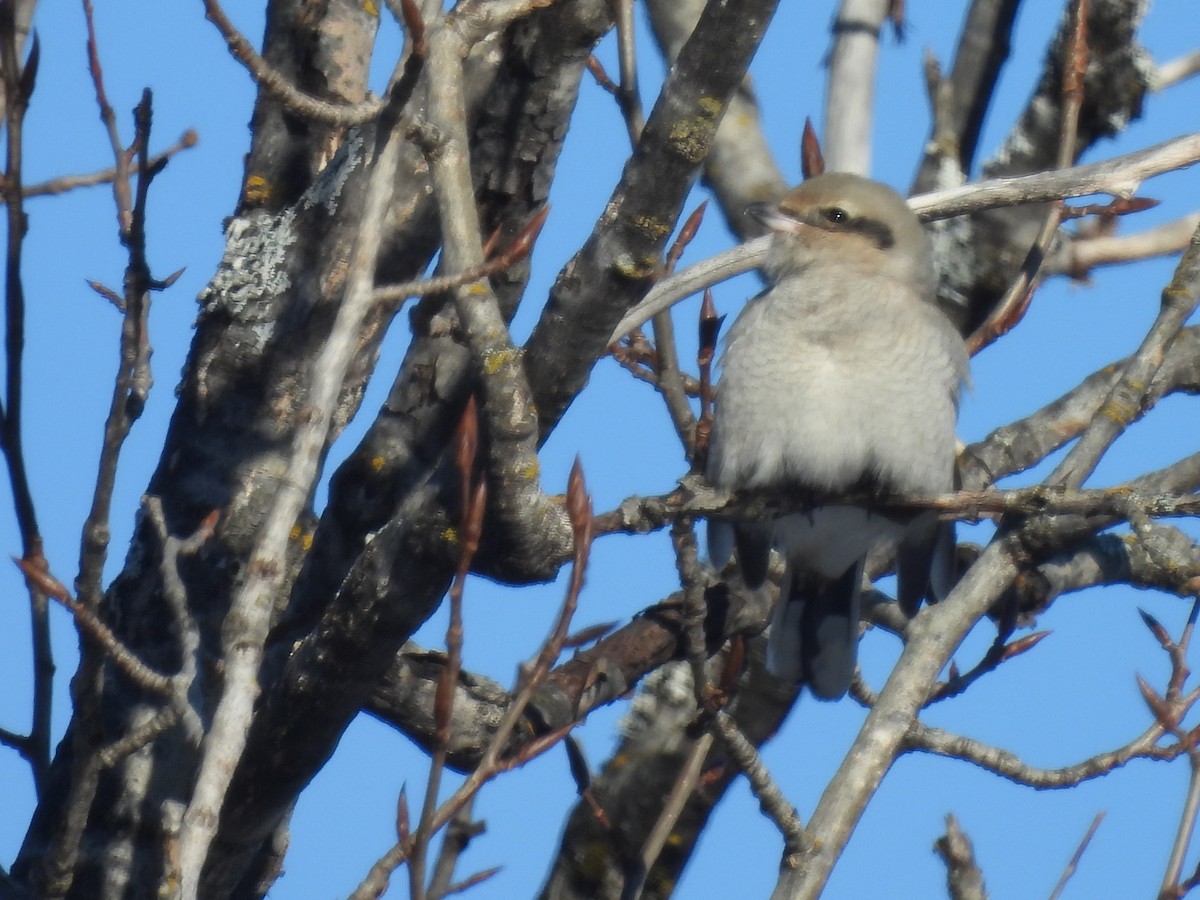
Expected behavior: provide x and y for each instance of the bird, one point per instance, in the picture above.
(842, 376)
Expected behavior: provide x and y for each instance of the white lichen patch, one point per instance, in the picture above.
(254, 265)
(326, 189)
(666, 694)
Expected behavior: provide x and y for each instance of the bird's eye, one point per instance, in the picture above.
(836, 215)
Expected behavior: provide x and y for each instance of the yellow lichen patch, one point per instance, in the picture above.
(629, 267)
(1119, 411)
(450, 534)
(257, 189)
(377, 463)
(371, 7)
(690, 137)
(531, 470)
(594, 861)
(304, 537)
(498, 359)
(652, 227)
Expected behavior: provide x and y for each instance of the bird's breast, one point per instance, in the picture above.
(821, 388)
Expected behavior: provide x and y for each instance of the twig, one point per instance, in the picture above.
(627, 93)
(105, 176)
(681, 792)
(964, 879)
(519, 249)
(253, 604)
(1169, 712)
(770, 798)
(667, 375)
(1179, 301)
(18, 84)
(474, 499)
(175, 594)
(926, 739)
(1120, 177)
(1013, 305)
(160, 722)
(637, 514)
(493, 762)
(277, 84)
(669, 378)
(1174, 71)
(131, 384)
(1079, 255)
(997, 654)
(693, 580)
(710, 327)
(89, 623)
(460, 831)
(1073, 864)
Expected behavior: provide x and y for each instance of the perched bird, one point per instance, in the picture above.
(842, 375)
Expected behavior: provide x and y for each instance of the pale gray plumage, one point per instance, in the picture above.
(843, 374)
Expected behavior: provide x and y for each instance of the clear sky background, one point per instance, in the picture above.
(1070, 698)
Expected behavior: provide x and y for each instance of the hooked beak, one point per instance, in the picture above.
(770, 215)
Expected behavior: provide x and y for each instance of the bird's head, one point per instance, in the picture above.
(846, 220)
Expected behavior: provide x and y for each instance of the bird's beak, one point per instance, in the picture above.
(770, 215)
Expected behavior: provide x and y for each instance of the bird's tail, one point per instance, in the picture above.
(814, 633)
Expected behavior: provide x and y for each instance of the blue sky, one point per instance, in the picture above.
(1072, 697)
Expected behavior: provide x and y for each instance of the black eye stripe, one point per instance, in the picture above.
(838, 219)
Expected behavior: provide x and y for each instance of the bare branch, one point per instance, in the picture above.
(275, 83)
(1077, 856)
(850, 88)
(1120, 177)
(964, 879)
(1179, 301)
(1174, 71)
(253, 604)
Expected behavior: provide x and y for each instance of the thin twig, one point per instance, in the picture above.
(1119, 177)
(277, 84)
(770, 798)
(638, 514)
(89, 623)
(1174, 71)
(681, 792)
(516, 251)
(460, 831)
(254, 602)
(474, 499)
(964, 879)
(493, 761)
(18, 84)
(105, 176)
(1013, 305)
(1123, 405)
(628, 94)
(669, 378)
(1073, 864)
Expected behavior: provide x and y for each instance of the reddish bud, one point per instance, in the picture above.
(812, 161)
